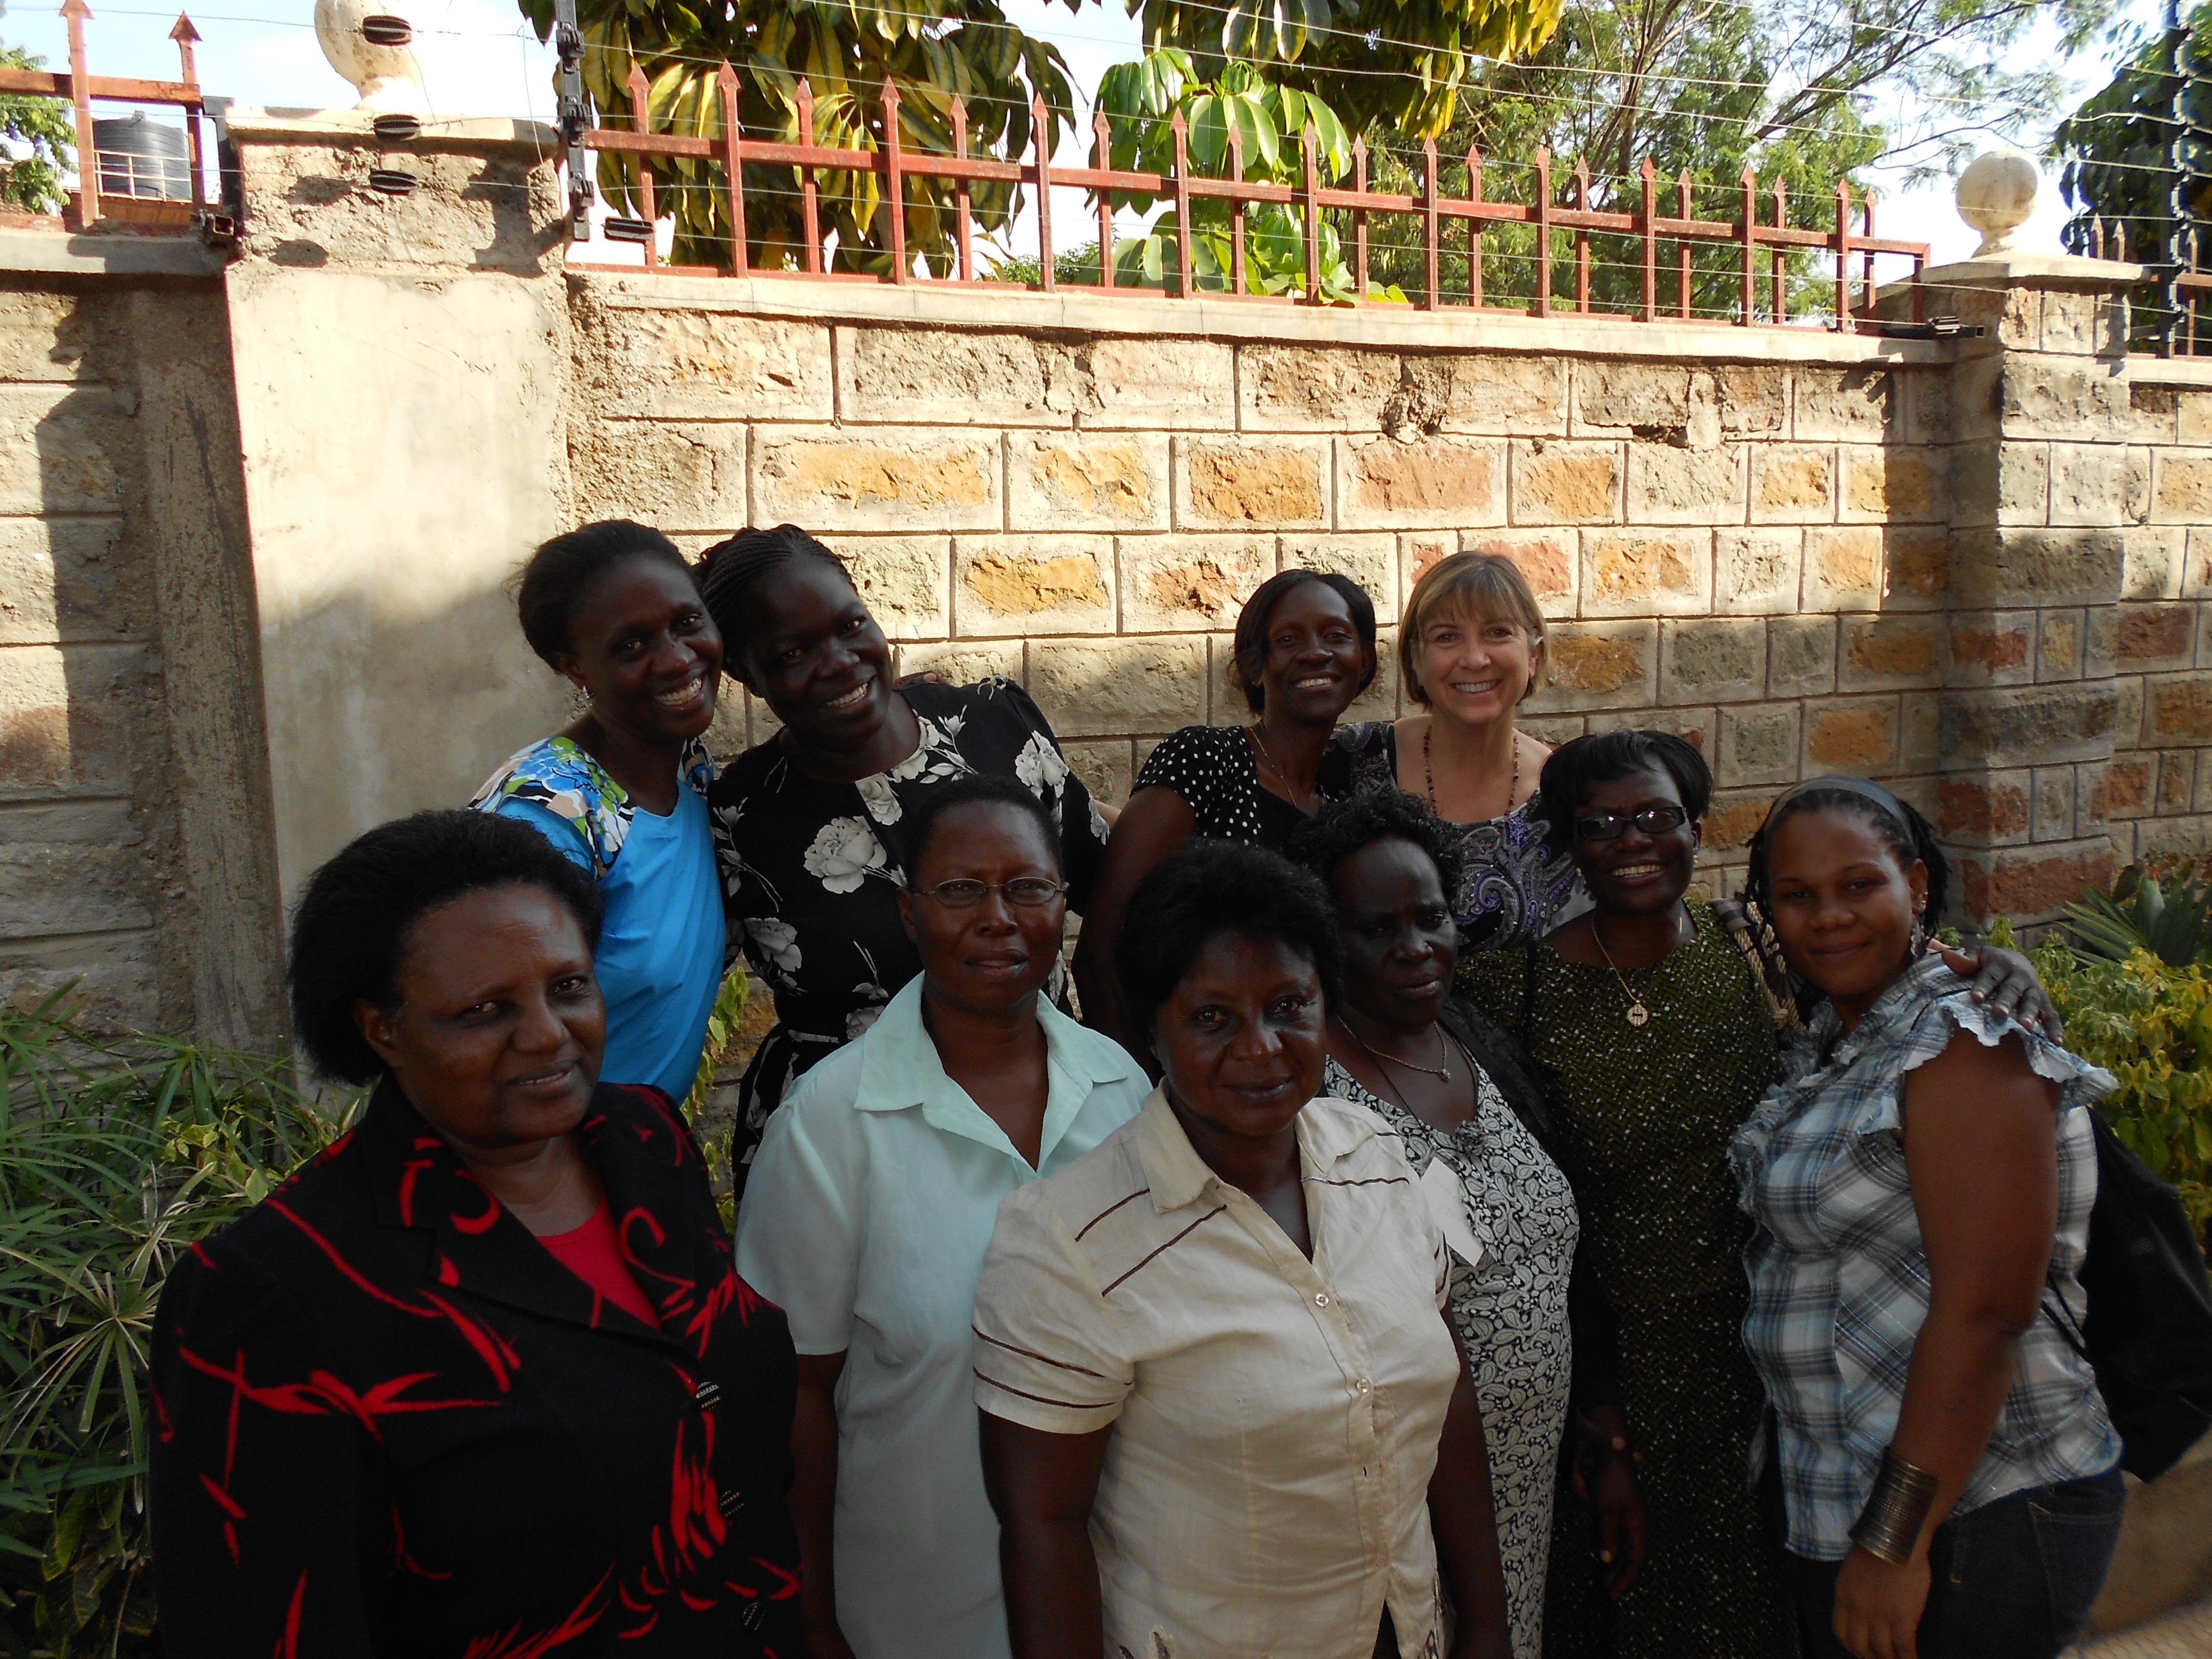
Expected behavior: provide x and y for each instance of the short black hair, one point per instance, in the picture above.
(1249, 656)
(977, 788)
(1205, 889)
(1908, 836)
(1575, 766)
(1342, 828)
(351, 925)
(730, 571)
(561, 572)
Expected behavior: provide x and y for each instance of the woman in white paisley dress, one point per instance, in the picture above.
(809, 825)
(1474, 1125)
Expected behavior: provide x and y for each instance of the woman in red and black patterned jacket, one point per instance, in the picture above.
(481, 1380)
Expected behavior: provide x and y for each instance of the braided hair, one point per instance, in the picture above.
(1909, 836)
(730, 573)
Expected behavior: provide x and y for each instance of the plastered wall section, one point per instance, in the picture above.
(134, 813)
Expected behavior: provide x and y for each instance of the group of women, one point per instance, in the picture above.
(1443, 1233)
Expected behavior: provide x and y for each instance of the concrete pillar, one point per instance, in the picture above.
(2043, 487)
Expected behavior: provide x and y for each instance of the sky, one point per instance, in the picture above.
(480, 57)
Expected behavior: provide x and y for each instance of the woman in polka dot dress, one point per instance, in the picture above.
(1304, 651)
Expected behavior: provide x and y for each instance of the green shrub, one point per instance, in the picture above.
(116, 1154)
(2148, 1022)
(2171, 918)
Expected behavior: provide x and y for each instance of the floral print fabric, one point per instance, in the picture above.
(557, 776)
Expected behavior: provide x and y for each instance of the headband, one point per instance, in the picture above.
(1866, 790)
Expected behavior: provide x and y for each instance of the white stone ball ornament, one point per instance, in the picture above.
(387, 77)
(1996, 196)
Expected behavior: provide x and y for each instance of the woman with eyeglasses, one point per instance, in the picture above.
(872, 1202)
(1660, 1037)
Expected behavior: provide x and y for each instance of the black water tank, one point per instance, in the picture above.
(139, 157)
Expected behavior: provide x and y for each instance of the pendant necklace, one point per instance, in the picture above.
(1442, 1074)
(1429, 773)
(1283, 777)
(1637, 1013)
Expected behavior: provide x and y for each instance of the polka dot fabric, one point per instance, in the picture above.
(1214, 770)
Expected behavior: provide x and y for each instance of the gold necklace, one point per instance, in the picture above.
(1442, 1074)
(1428, 775)
(1637, 1013)
(1283, 777)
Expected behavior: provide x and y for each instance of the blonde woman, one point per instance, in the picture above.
(1471, 646)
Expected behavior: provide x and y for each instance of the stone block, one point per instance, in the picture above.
(1109, 688)
(1105, 767)
(1128, 381)
(2152, 414)
(2152, 563)
(1847, 404)
(1566, 482)
(2154, 638)
(1712, 660)
(678, 363)
(1734, 819)
(2127, 785)
(1920, 731)
(1800, 656)
(1194, 584)
(1327, 388)
(1549, 559)
(1647, 572)
(1758, 745)
(1992, 567)
(2196, 565)
(1492, 395)
(1420, 552)
(904, 579)
(953, 377)
(66, 578)
(1755, 399)
(1927, 416)
(2070, 398)
(1383, 700)
(1668, 404)
(675, 476)
(2131, 693)
(61, 446)
(1892, 485)
(1994, 481)
(2190, 412)
(2028, 726)
(2054, 803)
(1792, 484)
(1060, 481)
(2058, 646)
(1987, 810)
(1857, 736)
(74, 868)
(2088, 484)
(2100, 641)
(1916, 567)
(1370, 560)
(2083, 324)
(1030, 584)
(1695, 727)
(1893, 654)
(2031, 884)
(1608, 665)
(1236, 484)
(1993, 648)
(962, 662)
(2177, 782)
(1670, 485)
(68, 718)
(2181, 488)
(1756, 572)
(877, 480)
(50, 335)
(2091, 787)
(2177, 709)
(1387, 483)
(1842, 568)
(1552, 730)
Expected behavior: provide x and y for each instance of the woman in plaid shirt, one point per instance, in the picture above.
(1922, 1173)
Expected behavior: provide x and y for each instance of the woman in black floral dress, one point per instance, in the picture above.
(808, 826)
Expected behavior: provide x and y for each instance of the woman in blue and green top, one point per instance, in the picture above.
(621, 790)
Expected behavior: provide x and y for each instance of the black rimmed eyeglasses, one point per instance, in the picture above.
(1029, 892)
(1611, 826)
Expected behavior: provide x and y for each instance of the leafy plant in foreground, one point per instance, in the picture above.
(116, 1155)
(2171, 920)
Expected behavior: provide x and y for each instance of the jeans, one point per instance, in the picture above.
(2013, 1579)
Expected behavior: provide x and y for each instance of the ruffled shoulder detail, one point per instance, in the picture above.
(558, 776)
(1936, 1022)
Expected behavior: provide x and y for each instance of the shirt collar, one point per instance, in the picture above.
(1327, 1135)
(900, 1071)
(1900, 1000)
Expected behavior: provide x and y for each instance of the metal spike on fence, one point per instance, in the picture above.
(2096, 239)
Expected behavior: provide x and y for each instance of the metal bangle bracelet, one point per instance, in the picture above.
(1889, 1526)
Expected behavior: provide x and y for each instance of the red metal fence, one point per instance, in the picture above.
(1665, 240)
(79, 89)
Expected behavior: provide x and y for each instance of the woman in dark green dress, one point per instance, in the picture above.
(1659, 1036)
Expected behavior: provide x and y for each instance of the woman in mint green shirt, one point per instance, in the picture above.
(872, 1202)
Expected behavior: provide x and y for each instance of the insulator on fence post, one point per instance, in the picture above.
(576, 116)
(2096, 239)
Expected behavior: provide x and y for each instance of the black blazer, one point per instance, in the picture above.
(390, 1423)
